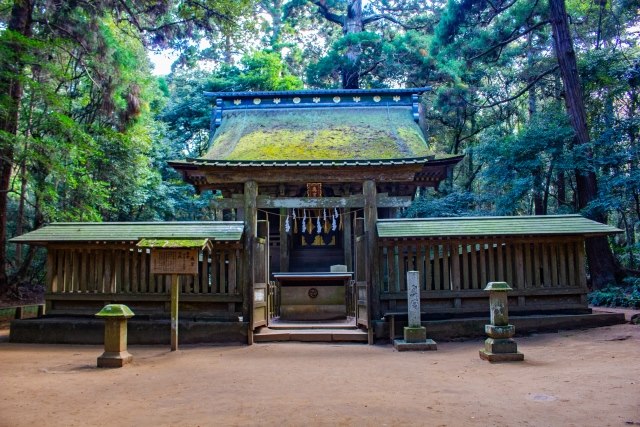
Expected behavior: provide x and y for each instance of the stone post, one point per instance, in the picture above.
(115, 336)
(499, 347)
(415, 335)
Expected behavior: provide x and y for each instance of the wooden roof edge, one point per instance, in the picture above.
(429, 160)
(311, 92)
(160, 223)
(485, 235)
(475, 218)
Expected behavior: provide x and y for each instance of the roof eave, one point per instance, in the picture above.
(312, 92)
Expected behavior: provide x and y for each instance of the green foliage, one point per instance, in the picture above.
(614, 296)
(448, 205)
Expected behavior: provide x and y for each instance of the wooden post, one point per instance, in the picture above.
(175, 294)
(284, 242)
(371, 271)
(250, 212)
(347, 240)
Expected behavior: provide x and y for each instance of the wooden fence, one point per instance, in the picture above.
(546, 274)
(82, 277)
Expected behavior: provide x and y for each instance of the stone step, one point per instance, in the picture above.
(348, 323)
(312, 326)
(310, 335)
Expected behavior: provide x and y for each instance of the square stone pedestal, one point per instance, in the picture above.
(415, 339)
(112, 359)
(115, 344)
(501, 350)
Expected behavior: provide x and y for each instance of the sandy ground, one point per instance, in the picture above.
(573, 378)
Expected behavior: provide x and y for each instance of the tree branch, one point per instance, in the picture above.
(327, 14)
(509, 40)
(517, 95)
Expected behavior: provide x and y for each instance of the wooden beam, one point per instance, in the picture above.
(347, 239)
(372, 273)
(356, 201)
(212, 175)
(250, 232)
(284, 242)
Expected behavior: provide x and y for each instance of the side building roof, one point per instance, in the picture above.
(132, 231)
(550, 225)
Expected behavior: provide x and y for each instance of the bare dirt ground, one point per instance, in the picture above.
(573, 378)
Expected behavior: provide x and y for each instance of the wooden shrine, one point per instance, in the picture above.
(308, 180)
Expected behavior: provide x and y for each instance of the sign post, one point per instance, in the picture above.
(174, 257)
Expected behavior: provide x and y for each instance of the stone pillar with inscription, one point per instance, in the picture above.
(415, 335)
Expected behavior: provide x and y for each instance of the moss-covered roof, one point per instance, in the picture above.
(288, 134)
(198, 243)
(132, 231)
(551, 225)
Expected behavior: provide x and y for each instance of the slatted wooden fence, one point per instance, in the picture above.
(546, 274)
(118, 273)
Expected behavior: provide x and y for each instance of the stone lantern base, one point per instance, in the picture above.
(115, 336)
(415, 339)
(500, 347)
(112, 359)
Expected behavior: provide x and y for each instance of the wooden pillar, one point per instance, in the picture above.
(284, 242)
(250, 229)
(347, 239)
(175, 295)
(371, 270)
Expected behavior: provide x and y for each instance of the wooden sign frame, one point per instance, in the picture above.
(174, 261)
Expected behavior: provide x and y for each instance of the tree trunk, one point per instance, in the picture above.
(602, 264)
(11, 90)
(352, 25)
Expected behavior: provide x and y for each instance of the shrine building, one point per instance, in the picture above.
(310, 186)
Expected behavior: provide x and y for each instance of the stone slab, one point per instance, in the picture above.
(427, 345)
(83, 330)
(114, 359)
(311, 335)
(473, 327)
(501, 357)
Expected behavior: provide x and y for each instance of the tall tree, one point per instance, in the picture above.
(602, 264)
(349, 51)
(36, 30)
(11, 65)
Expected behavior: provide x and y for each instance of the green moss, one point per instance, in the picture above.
(319, 134)
(172, 243)
(115, 310)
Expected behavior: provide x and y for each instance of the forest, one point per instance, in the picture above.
(542, 97)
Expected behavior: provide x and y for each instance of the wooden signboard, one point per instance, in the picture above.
(174, 261)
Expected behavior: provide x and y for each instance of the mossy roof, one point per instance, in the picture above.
(198, 243)
(132, 231)
(333, 134)
(551, 225)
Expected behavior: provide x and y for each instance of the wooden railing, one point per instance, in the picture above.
(461, 265)
(125, 269)
(122, 273)
(274, 299)
(452, 270)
